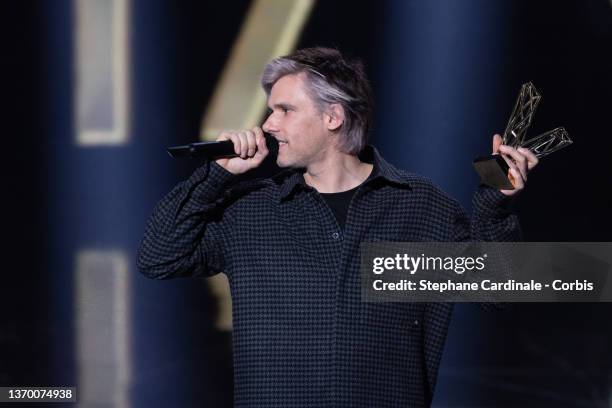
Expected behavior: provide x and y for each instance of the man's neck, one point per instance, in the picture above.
(338, 172)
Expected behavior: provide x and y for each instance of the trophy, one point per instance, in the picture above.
(493, 169)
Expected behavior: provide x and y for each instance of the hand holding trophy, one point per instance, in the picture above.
(494, 169)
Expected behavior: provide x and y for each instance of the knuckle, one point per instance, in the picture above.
(223, 135)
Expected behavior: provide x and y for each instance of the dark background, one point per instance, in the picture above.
(446, 74)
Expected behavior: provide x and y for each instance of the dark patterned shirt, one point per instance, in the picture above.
(302, 335)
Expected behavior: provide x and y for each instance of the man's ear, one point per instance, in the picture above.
(334, 116)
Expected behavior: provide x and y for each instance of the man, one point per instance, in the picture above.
(290, 245)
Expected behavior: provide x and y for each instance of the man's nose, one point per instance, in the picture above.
(265, 126)
(268, 125)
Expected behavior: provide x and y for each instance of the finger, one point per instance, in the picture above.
(532, 159)
(259, 134)
(251, 143)
(236, 141)
(262, 151)
(244, 145)
(260, 139)
(224, 135)
(518, 158)
(512, 171)
(511, 165)
(521, 166)
(516, 178)
(497, 141)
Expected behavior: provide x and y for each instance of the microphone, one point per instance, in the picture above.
(215, 150)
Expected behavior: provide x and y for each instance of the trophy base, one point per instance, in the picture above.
(493, 171)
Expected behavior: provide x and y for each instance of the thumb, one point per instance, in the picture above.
(497, 141)
(260, 139)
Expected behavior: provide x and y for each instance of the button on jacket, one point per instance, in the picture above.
(302, 335)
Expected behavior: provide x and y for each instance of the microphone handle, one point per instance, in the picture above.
(211, 150)
(214, 150)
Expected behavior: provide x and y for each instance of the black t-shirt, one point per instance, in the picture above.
(339, 202)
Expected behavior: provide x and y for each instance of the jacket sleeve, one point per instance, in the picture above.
(492, 219)
(183, 237)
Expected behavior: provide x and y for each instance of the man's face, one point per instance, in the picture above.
(296, 123)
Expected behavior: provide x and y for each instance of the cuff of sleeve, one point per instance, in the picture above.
(492, 202)
(218, 176)
(210, 180)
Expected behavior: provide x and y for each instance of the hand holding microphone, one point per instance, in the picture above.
(249, 146)
(237, 151)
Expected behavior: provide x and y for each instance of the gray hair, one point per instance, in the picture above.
(325, 92)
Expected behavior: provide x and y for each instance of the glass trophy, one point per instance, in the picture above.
(493, 169)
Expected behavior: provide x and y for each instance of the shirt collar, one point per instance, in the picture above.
(292, 179)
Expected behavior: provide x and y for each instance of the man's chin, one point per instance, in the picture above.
(283, 163)
(287, 162)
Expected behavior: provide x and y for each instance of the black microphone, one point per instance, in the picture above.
(215, 150)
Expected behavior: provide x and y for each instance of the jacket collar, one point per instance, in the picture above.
(293, 179)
